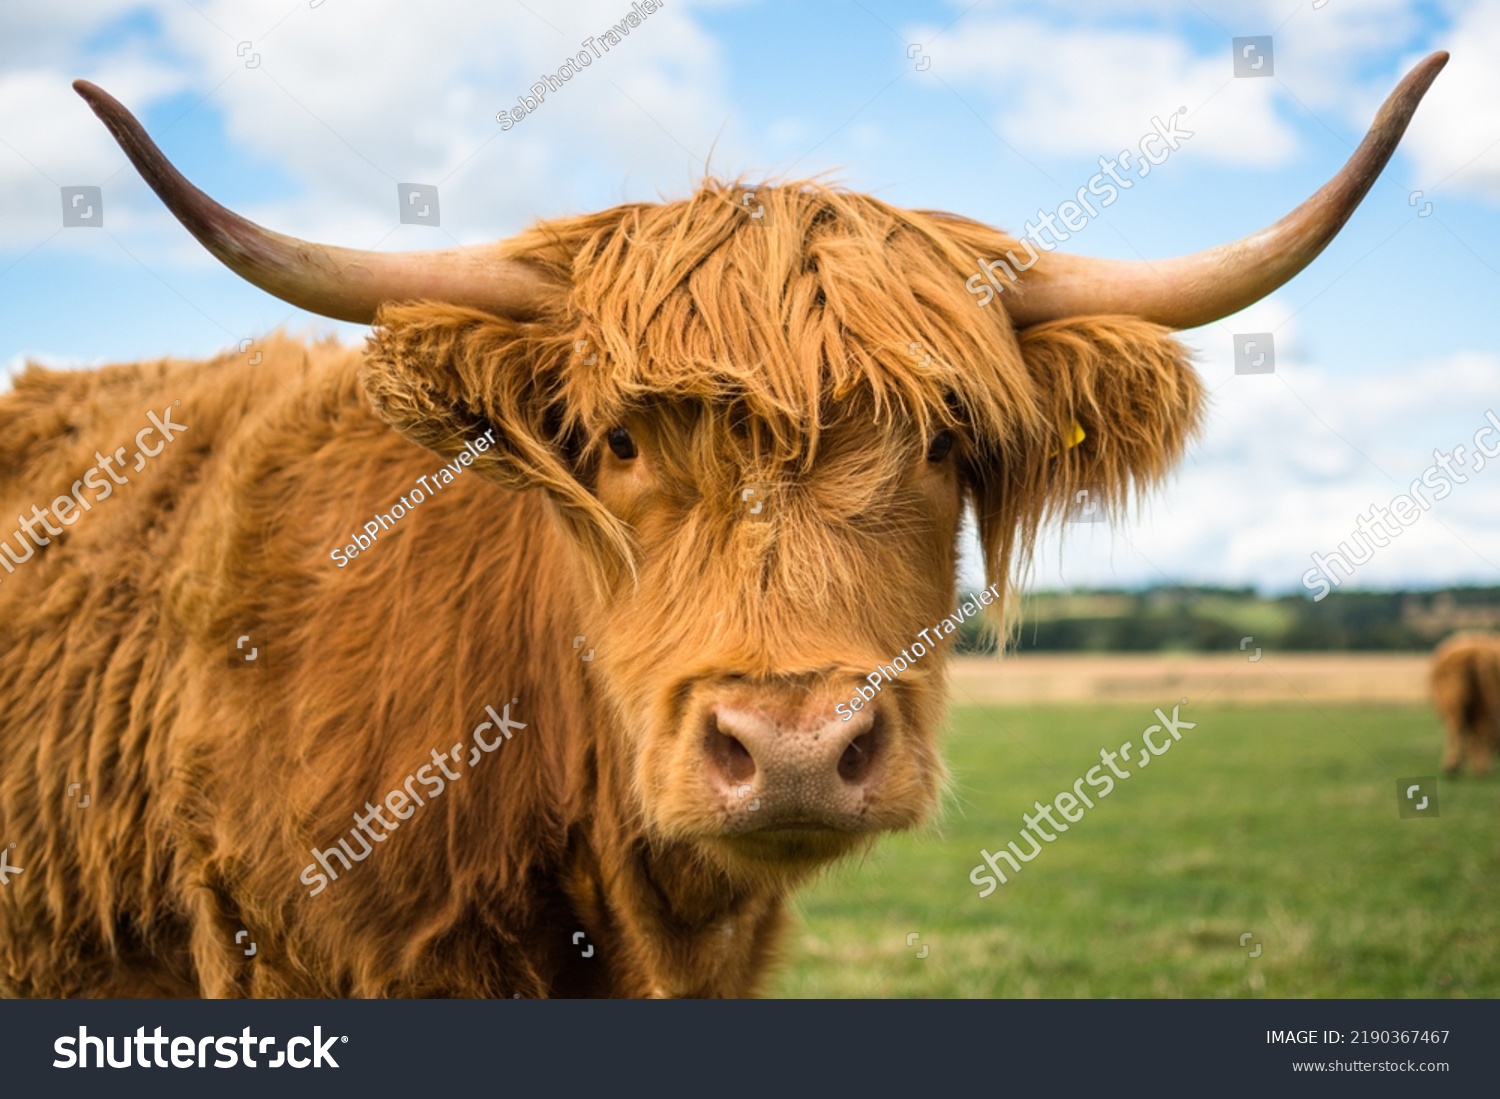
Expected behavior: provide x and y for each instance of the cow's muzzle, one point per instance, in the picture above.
(777, 769)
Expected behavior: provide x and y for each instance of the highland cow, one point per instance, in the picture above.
(1466, 691)
(705, 473)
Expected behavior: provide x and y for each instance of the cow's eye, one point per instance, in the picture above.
(621, 444)
(940, 445)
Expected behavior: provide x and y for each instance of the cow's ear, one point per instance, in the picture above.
(1119, 401)
(441, 375)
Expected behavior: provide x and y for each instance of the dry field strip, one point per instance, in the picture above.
(1153, 677)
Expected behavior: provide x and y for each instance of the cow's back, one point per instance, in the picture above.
(86, 647)
(208, 783)
(1465, 681)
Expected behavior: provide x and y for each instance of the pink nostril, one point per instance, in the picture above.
(858, 758)
(728, 754)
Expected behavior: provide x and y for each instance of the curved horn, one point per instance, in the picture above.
(335, 282)
(1191, 290)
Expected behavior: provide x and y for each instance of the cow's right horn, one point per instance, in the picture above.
(1187, 291)
(335, 282)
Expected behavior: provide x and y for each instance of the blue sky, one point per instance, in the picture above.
(1385, 347)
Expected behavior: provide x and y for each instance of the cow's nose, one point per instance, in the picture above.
(814, 768)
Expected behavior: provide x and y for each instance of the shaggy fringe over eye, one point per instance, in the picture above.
(827, 303)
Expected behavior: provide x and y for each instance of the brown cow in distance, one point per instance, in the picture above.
(521, 652)
(1466, 691)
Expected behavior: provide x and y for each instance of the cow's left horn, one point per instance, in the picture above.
(335, 282)
(1204, 287)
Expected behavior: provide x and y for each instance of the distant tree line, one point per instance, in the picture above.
(1197, 619)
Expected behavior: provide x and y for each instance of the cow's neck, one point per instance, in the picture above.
(665, 919)
(669, 921)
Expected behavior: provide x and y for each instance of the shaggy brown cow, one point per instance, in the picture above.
(654, 492)
(1466, 692)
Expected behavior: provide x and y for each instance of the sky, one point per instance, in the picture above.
(307, 116)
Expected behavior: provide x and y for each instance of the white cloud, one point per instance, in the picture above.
(1093, 91)
(1455, 137)
(1324, 55)
(1089, 81)
(347, 101)
(49, 140)
(1286, 464)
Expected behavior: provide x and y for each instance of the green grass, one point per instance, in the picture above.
(1280, 820)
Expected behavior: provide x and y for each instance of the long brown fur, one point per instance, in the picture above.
(1465, 682)
(770, 358)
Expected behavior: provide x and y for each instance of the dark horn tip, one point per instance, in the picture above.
(1426, 70)
(1401, 104)
(91, 92)
(107, 107)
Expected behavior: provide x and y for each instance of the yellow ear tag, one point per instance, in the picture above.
(1075, 435)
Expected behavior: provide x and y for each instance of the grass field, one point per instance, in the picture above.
(1277, 819)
